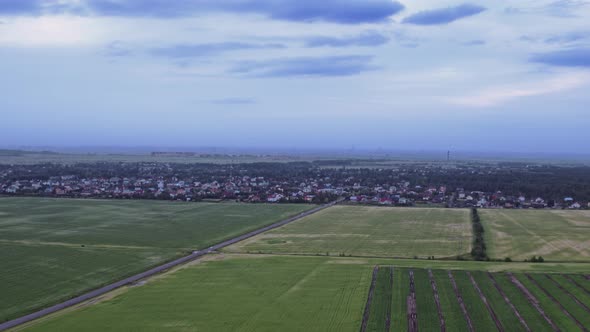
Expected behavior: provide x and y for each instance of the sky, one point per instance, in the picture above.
(484, 76)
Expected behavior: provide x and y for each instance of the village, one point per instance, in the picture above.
(272, 183)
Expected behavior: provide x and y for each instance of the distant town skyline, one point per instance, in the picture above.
(480, 76)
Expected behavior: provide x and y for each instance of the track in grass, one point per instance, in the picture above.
(412, 306)
(572, 280)
(441, 316)
(572, 296)
(367, 312)
(428, 318)
(454, 318)
(508, 302)
(461, 302)
(486, 303)
(379, 316)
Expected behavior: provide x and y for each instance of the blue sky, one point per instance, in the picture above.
(408, 75)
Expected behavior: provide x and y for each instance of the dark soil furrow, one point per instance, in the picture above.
(563, 309)
(507, 300)
(532, 300)
(572, 296)
(412, 307)
(369, 300)
(461, 303)
(486, 303)
(441, 317)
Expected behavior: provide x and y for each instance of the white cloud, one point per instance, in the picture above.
(505, 93)
(51, 31)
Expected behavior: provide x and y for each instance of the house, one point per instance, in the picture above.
(575, 206)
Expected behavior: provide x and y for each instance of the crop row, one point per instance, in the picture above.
(425, 300)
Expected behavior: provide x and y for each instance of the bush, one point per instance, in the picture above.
(507, 259)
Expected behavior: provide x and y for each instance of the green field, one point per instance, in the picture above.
(521, 234)
(238, 294)
(53, 249)
(369, 231)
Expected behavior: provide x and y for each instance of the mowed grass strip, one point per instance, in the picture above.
(551, 308)
(482, 321)
(401, 290)
(234, 294)
(427, 311)
(54, 249)
(574, 309)
(521, 234)
(503, 311)
(533, 318)
(380, 314)
(369, 231)
(454, 319)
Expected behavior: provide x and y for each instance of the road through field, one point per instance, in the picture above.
(130, 280)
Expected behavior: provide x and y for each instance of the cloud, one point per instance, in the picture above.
(567, 38)
(370, 38)
(34, 7)
(444, 15)
(234, 101)
(564, 8)
(118, 49)
(565, 58)
(475, 42)
(560, 8)
(307, 66)
(337, 11)
(502, 94)
(210, 49)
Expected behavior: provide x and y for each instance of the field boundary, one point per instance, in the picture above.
(441, 317)
(550, 296)
(156, 270)
(507, 300)
(532, 300)
(486, 303)
(367, 312)
(461, 303)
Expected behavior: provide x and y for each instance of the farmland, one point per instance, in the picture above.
(270, 293)
(521, 234)
(53, 249)
(370, 231)
(488, 310)
(236, 294)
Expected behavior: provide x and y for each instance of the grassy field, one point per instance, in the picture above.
(370, 231)
(238, 294)
(521, 234)
(53, 249)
